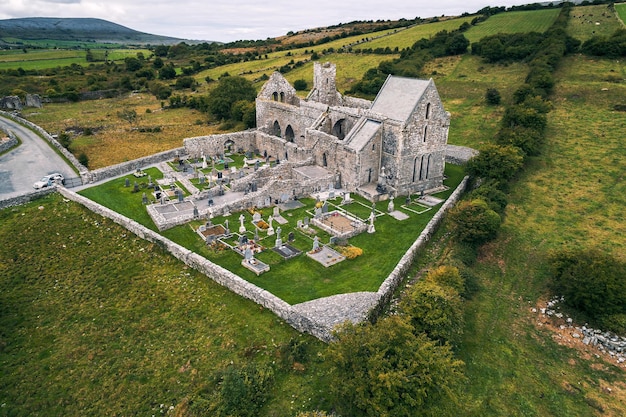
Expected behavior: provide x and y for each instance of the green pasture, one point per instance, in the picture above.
(51, 58)
(513, 22)
(96, 321)
(462, 83)
(571, 196)
(299, 279)
(407, 37)
(596, 20)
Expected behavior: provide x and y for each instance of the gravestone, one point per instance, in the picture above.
(248, 254)
(300, 224)
(347, 199)
(210, 239)
(256, 235)
(126, 182)
(180, 196)
(325, 207)
(306, 222)
(144, 198)
(136, 187)
(390, 207)
(256, 217)
(316, 244)
(318, 212)
(267, 202)
(242, 228)
(196, 213)
(291, 237)
(284, 197)
(276, 212)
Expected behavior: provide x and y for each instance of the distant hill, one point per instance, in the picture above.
(78, 30)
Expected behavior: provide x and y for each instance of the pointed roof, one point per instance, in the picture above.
(398, 97)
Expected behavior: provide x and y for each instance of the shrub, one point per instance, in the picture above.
(496, 162)
(435, 310)
(474, 222)
(490, 192)
(447, 276)
(591, 282)
(300, 85)
(492, 97)
(83, 159)
(350, 252)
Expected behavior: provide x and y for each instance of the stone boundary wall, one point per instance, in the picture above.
(82, 170)
(386, 289)
(6, 145)
(130, 166)
(218, 274)
(26, 198)
(459, 155)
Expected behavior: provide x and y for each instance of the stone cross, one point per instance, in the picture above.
(242, 228)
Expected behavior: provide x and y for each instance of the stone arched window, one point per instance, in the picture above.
(276, 129)
(282, 97)
(324, 160)
(275, 96)
(339, 129)
(289, 135)
(427, 111)
(425, 132)
(417, 167)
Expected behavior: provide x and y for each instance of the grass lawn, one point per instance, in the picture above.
(298, 279)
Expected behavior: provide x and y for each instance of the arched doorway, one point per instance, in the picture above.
(229, 145)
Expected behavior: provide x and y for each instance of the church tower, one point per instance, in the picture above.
(324, 87)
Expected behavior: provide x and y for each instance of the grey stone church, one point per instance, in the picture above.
(394, 145)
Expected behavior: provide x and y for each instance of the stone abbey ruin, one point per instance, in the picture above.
(395, 145)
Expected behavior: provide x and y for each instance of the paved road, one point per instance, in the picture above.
(27, 163)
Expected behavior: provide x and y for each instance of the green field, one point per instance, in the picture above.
(588, 21)
(513, 22)
(39, 59)
(407, 37)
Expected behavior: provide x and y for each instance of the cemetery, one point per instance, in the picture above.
(290, 246)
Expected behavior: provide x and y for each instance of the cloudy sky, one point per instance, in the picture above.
(230, 20)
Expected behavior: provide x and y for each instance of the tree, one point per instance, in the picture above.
(300, 85)
(435, 310)
(244, 391)
(132, 64)
(527, 139)
(168, 72)
(524, 116)
(228, 91)
(496, 162)
(492, 97)
(474, 222)
(386, 369)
